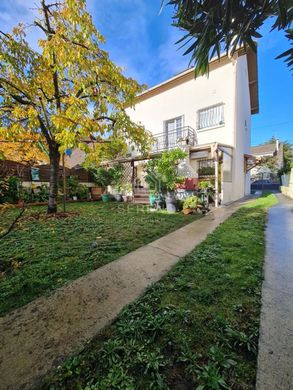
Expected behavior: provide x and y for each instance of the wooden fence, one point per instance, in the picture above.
(12, 168)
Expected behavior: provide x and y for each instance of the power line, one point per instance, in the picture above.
(276, 124)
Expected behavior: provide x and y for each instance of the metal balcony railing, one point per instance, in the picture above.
(182, 136)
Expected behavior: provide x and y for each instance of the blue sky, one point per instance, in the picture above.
(143, 42)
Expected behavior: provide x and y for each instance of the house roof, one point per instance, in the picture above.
(214, 64)
(266, 149)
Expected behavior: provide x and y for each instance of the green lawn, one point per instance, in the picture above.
(43, 254)
(195, 329)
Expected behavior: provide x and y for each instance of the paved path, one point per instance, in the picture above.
(38, 336)
(275, 360)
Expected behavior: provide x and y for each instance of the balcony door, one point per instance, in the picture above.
(173, 131)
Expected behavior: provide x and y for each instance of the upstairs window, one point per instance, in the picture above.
(173, 125)
(211, 117)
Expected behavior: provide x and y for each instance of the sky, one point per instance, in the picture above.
(141, 40)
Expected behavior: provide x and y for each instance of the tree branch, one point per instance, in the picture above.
(13, 223)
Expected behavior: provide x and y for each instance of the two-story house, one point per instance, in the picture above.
(209, 116)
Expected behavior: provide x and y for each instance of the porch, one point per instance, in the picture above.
(210, 162)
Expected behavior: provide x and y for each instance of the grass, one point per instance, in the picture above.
(195, 329)
(42, 254)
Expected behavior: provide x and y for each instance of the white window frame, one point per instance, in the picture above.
(165, 125)
(214, 125)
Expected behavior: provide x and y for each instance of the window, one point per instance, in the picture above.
(174, 124)
(211, 116)
(173, 131)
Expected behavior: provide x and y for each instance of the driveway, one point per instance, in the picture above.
(275, 359)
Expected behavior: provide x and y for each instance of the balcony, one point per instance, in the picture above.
(183, 136)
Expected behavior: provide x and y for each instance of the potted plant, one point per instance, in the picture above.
(118, 192)
(167, 171)
(127, 192)
(72, 187)
(190, 204)
(105, 177)
(207, 190)
(153, 181)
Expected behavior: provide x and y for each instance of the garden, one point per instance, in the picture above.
(44, 252)
(197, 328)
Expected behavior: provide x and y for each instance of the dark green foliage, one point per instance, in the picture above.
(162, 172)
(195, 329)
(106, 176)
(43, 254)
(9, 189)
(74, 188)
(213, 26)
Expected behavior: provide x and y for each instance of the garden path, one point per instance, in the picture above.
(275, 358)
(38, 336)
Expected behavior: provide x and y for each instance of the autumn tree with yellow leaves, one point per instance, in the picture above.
(66, 91)
(26, 151)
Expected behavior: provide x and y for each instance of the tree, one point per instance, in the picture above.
(213, 26)
(26, 151)
(66, 91)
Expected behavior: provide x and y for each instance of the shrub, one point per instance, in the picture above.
(42, 193)
(9, 189)
(72, 186)
(104, 177)
(82, 192)
(203, 185)
(162, 173)
(191, 202)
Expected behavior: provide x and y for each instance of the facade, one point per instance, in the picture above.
(210, 117)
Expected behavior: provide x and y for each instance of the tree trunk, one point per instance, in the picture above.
(54, 177)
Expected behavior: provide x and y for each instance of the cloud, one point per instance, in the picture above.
(137, 38)
(21, 12)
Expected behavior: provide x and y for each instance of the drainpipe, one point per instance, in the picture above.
(216, 175)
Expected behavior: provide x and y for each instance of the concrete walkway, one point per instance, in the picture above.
(37, 337)
(275, 359)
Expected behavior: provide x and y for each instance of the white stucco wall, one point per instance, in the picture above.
(186, 99)
(242, 130)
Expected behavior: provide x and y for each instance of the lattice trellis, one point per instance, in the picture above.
(127, 174)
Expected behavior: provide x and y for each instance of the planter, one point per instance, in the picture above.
(105, 198)
(96, 193)
(188, 211)
(171, 202)
(74, 198)
(125, 198)
(118, 198)
(152, 199)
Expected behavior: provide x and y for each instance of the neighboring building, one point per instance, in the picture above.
(209, 116)
(266, 153)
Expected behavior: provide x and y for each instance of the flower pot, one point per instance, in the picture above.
(74, 198)
(188, 211)
(125, 198)
(96, 193)
(105, 198)
(152, 199)
(118, 197)
(171, 202)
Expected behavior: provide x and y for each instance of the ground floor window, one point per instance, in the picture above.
(206, 167)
